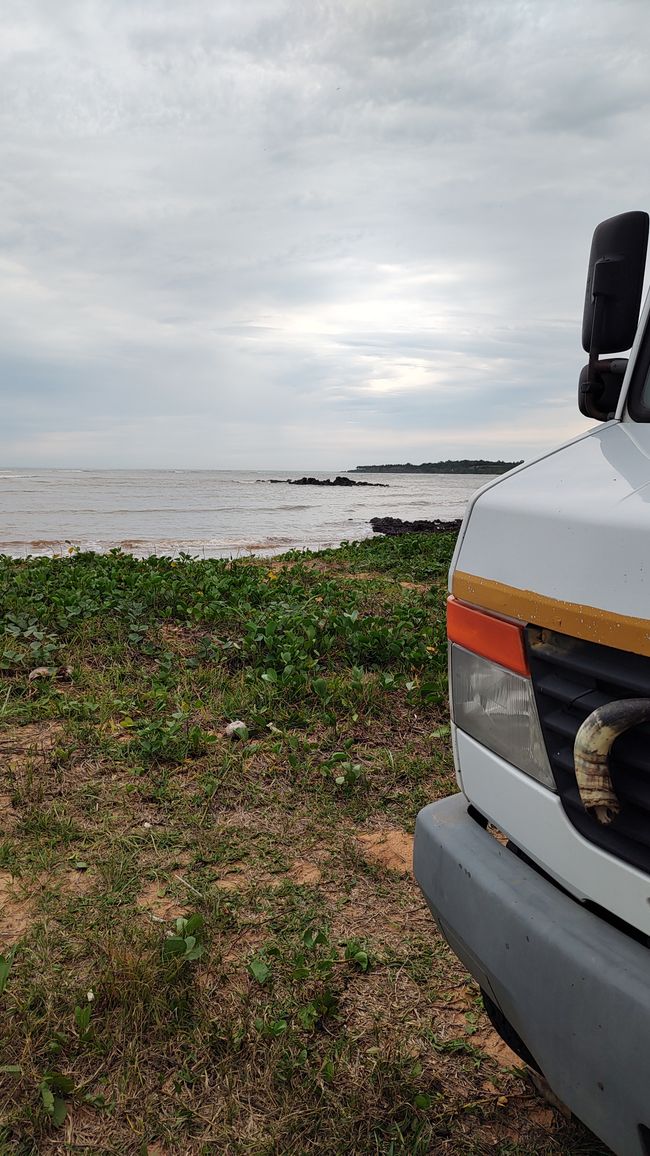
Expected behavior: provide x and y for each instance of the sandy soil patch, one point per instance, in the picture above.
(453, 1024)
(242, 876)
(32, 740)
(17, 904)
(156, 901)
(15, 910)
(245, 943)
(77, 882)
(389, 848)
(304, 873)
(8, 815)
(362, 576)
(543, 1117)
(494, 1047)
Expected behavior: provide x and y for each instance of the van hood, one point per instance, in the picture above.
(572, 528)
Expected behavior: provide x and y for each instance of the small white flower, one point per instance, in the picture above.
(146, 825)
(90, 995)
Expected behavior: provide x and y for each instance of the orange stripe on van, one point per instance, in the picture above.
(588, 622)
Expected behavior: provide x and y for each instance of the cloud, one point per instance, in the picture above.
(285, 234)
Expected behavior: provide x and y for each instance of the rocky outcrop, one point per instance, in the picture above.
(338, 481)
(395, 526)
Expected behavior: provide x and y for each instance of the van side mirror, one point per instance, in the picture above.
(598, 393)
(611, 311)
(615, 283)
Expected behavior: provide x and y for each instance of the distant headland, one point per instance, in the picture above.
(464, 466)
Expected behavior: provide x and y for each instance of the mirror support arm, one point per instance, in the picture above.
(596, 330)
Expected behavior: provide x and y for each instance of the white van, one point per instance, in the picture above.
(538, 873)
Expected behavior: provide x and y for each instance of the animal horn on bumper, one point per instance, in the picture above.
(591, 750)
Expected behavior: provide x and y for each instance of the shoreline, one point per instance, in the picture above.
(138, 548)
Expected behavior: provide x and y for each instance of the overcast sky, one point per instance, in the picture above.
(251, 233)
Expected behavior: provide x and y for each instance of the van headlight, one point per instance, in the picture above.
(497, 707)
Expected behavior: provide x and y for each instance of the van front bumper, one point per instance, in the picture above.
(574, 988)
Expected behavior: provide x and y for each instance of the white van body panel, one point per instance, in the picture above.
(573, 526)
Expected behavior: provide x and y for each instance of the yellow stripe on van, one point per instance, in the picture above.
(603, 626)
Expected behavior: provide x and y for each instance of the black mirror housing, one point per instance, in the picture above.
(614, 283)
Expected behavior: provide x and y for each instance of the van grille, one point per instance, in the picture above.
(571, 679)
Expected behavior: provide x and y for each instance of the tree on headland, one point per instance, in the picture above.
(461, 466)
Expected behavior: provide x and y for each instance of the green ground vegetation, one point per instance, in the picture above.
(211, 942)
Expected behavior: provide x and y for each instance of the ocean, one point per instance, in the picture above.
(208, 513)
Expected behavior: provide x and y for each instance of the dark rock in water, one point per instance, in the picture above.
(338, 481)
(394, 526)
